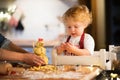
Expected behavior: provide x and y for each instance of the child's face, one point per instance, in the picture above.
(74, 28)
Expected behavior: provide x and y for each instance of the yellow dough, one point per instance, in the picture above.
(40, 50)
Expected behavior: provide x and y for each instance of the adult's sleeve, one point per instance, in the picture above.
(4, 42)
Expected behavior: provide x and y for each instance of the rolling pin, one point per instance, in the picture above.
(7, 68)
(4, 67)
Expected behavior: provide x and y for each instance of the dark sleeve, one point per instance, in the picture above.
(4, 42)
(2, 39)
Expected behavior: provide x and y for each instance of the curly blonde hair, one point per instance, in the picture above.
(78, 13)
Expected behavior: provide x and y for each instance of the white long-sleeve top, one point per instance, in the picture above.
(88, 43)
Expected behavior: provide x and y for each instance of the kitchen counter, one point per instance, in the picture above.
(51, 72)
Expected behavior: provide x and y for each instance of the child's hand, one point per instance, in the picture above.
(61, 48)
(69, 47)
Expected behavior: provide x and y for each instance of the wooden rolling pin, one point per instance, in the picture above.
(7, 68)
(4, 68)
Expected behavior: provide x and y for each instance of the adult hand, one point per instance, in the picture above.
(32, 59)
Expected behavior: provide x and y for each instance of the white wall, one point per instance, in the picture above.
(39, 13)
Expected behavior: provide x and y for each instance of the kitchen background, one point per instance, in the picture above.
(41, 19)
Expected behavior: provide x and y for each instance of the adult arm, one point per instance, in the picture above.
(27, 58)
